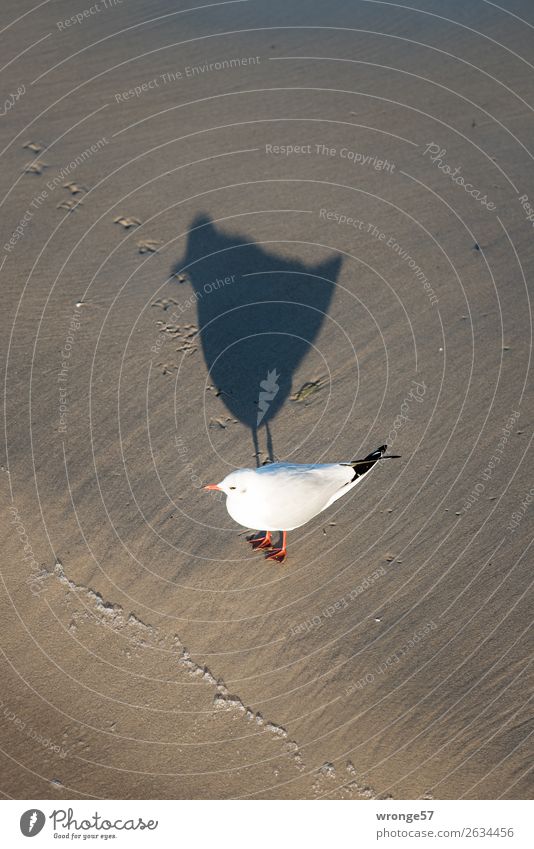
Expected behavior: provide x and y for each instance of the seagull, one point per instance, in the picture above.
(284, 496)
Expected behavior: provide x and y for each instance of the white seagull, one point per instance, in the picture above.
(284, 496)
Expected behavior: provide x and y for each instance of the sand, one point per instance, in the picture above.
(248, 193)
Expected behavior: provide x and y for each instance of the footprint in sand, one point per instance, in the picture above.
(69, 204)
(187, 347)
(221, 422)
(164, 303)
(167, 368)
(187, 334)
(126, 222)
(33, 146)
(35, 167)
(146, 246)
(212, 388)
(74, 188)
(307, 390)
(165, 327)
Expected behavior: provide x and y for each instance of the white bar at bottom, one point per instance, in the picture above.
(264, 824)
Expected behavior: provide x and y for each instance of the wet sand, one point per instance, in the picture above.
(338, 193)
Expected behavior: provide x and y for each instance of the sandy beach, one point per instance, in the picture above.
(334, 199)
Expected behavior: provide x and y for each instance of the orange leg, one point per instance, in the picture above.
(264, 541)
(279, 554)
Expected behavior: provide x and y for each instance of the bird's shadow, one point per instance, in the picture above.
(258, 314)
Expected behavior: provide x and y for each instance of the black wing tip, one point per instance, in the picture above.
(380, 454)
(361, 467)
(388, 456)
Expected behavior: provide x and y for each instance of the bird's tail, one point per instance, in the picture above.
(361, 467)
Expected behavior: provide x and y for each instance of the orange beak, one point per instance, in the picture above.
(212, 486)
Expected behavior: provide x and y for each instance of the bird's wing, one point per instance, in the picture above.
(319, 484)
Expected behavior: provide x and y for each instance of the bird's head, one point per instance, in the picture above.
(234, 484)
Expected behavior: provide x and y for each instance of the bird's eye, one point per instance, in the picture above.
(231, 487)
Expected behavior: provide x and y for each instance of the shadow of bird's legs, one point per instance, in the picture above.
(256, 446)
(270, 450)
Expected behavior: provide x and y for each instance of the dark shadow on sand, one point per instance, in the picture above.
(258, 315)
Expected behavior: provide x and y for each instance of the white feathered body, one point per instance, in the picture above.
(282, 496)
